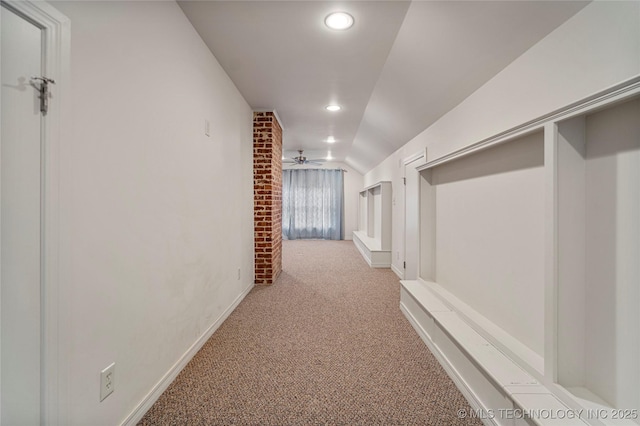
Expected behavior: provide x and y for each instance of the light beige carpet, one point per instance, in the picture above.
(326, 344)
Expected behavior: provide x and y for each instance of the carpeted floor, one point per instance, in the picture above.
(326, 344)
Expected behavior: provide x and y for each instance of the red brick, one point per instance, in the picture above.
(267, 181)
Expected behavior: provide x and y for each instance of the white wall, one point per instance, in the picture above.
(586, 54)
(490, 235)
(353, 184)
(155, 217)
(596, 49)
(612, 242)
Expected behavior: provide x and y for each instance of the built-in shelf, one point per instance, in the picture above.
(373, 237)
(529, 284)
(598, 246)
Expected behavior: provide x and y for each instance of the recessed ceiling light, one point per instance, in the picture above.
(331, 139)
(338, 21)
(329, 157)
(333, 107)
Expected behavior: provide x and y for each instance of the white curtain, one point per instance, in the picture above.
(312, 204)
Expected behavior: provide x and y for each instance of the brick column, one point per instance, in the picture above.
(267, 196)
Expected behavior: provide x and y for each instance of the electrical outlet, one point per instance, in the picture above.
(107, 381)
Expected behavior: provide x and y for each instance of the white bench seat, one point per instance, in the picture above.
(371, 250)
(490, 380)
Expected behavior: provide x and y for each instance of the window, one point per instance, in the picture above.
(312, 204)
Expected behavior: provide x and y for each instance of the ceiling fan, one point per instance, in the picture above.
(301, 159)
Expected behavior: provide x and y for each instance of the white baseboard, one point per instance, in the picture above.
(146, 403)
(398, 272)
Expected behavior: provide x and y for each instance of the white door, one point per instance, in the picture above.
(20, 217)
(411, 216)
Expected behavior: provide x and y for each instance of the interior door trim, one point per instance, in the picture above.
(56, 65)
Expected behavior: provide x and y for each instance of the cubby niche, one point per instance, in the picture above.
(373, 237)
(598, 255)
(556, 240)
(482, 241)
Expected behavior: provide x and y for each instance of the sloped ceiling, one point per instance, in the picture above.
(397, 70)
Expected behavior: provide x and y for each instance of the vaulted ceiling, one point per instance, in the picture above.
(396, 71)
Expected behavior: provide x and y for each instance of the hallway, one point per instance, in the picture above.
(326, 344)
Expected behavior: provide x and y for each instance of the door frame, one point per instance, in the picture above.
(414, 160)
(56, 37)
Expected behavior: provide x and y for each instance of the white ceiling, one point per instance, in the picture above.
(397, 70)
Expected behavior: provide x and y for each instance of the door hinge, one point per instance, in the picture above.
(404, 180)
(42, 85)
(404, 265)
